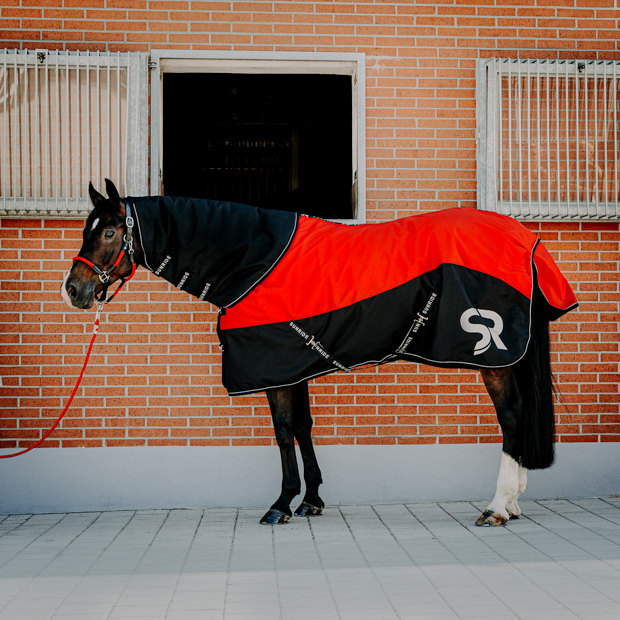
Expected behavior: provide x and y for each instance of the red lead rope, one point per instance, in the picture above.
(104, 276)
(62, 415)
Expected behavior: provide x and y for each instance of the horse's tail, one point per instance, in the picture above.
(535, 381)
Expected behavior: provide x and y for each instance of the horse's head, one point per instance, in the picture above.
(102, 244)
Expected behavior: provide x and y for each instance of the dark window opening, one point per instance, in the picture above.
(275, 141)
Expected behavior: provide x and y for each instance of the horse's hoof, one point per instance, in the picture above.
(308, 510)
(488, 518)
(274, 516)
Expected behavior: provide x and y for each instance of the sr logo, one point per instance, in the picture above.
(487, 333)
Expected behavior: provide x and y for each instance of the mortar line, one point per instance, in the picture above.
(230, 554)
(189, 548)
(52, 559)
(141, 557)
(372, 570)
(513, 564)
(323, 569)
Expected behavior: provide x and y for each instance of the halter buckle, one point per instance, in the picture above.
(104, 277)
(129, 221)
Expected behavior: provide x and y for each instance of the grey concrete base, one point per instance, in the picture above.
(75, 480)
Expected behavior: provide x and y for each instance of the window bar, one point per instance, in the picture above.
(25, 149)
(36, 135)
(501, 144)
(4, 158)
(577, 130)
(615, 141)
(509, 136)
(136, 146)
(98, 124)
(520, 174)
(587, 142)
(605, 124)
(47, 132)
(557, 134)
(126, 125)
(567, 116)
(548, 147)
(529, 137)
(539, 184)
(558, 184)
(109, 120)
(88, 125)
(118, 118)
(57, 136)
(596, 187)
(15, 154)
(79, 133)
(67, 156)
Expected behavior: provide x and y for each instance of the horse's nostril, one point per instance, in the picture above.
(72, 291)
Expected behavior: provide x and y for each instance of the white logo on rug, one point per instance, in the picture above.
(487, 333)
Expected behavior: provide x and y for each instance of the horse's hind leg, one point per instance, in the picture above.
(504, 392)
(281, 403)
(312, 504)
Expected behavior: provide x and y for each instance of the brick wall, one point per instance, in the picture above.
(154, 375)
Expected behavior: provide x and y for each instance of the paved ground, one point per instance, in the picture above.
(422, 561)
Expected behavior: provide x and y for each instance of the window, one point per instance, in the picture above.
(547, 134)
(282, 131)
(67, 118)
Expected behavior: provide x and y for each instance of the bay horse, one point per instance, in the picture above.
(520, 387)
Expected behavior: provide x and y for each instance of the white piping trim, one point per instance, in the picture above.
(273, 265)
(141, 236)
(318, 374)
(436, 362)
(568, 308)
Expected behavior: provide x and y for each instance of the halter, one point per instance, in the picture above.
(104, 275)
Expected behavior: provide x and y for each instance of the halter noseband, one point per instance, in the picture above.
(104, 275)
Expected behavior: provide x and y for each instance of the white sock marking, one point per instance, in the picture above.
(507, 485)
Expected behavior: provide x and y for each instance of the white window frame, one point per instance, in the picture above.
(488, 139)
(189, 61)
(73, 201)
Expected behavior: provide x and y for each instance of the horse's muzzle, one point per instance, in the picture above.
(77, 295)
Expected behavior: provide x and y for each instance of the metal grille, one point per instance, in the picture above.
(67, 118)
(547, 135)
(247, 163)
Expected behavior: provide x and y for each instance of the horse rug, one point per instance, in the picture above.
(301, 297)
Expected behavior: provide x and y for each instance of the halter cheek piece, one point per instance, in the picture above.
(104, 275)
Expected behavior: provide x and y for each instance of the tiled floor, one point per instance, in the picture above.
(422, 561)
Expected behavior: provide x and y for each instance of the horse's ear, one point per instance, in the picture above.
(112, 192)
(95, 197)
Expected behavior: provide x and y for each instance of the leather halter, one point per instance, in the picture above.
(104, 274)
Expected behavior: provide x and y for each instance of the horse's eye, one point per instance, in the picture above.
(109, 234)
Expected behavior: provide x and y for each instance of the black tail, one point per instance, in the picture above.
(535, 381)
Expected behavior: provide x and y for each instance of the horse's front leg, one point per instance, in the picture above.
(504, 392)
(312, 504)
(281, 403)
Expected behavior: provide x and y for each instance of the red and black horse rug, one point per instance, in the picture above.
(301, 297)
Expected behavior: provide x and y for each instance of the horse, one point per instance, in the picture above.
(520, 387)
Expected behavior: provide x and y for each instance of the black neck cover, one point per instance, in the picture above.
(216, 251)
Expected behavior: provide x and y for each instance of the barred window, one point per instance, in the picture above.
(67, 118)
(547, 134)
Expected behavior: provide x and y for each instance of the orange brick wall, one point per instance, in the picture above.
(154, 375)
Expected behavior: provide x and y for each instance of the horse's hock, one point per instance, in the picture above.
(367, 114)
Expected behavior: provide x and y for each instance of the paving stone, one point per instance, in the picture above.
(424, 561)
